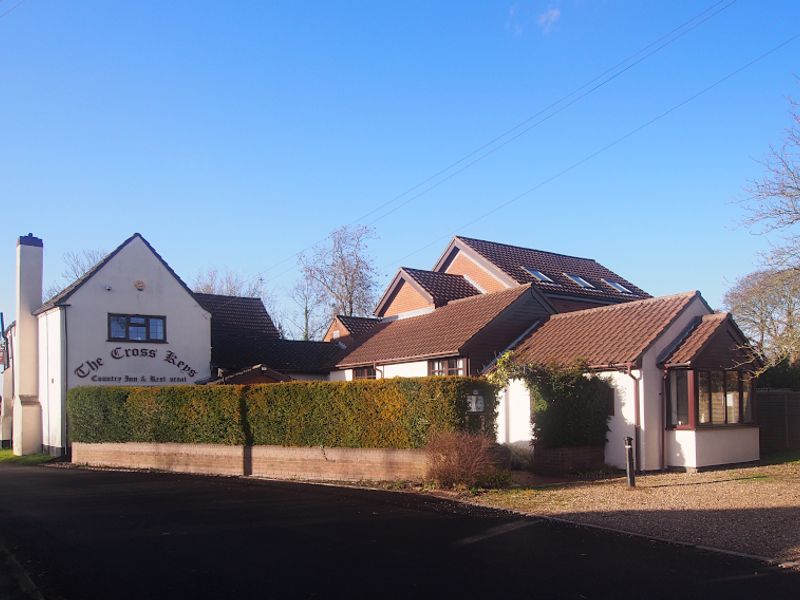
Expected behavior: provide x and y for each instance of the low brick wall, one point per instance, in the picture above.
(211, 459)
(569, 459)
(341, 464)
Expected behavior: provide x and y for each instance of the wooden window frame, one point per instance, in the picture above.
(358, 373)
(740, 380)
(127, 339)
(447, 371)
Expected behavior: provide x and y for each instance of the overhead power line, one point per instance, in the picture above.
(546, 113)
(607, 147)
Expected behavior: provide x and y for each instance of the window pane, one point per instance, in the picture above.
(136, 320)
(702, 396)
(157, 329)
(747, 400)
(732, 396)
(717, 398)
(137, 332)
(116, 326)
(679, 398)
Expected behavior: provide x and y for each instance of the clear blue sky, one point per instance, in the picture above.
(238, 133)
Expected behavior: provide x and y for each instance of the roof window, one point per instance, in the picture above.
(580, 281)
(617, 286)
(537, 275)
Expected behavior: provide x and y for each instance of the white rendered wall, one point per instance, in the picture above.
(343, 375)
(51, 378)
(622, 422)
(409, 369)
(514, 414)
(188, 329)
(712, 446)
(652, 408)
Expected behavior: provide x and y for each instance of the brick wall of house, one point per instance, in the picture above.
(461, 265)
(405, 299)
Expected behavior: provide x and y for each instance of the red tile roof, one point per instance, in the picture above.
(443, 287)
(512, 259)
(609, 336)
(699, 337)
(442, 332)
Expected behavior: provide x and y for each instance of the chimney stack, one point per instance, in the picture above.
(27, 411)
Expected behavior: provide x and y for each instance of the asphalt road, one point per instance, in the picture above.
(84, 535)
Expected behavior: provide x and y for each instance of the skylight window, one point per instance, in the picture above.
(617, 286)
(580, 281)
(538, 275)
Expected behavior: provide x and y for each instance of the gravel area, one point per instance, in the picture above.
(751, 510)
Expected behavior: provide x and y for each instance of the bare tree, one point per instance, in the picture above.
(774, 203)
(228, 283)
(766, 306)
(76, 265)
(310, 316)
(343, 271)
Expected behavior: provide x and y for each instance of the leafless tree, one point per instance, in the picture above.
(310, 317)
(766, 305)
(227, 283)
(343, 272)
(774, 200)
(76, 265)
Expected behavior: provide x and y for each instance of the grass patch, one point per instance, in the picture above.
(7, 457)
(786, 457)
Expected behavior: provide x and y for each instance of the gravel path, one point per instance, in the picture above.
(752, 510)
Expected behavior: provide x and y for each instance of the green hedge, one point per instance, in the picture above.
(393, 413)
(568, 408)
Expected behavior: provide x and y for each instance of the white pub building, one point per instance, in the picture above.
(130, 320)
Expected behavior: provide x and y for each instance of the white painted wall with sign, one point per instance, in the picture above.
(77, 346)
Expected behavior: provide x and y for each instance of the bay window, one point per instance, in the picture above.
(708, 397)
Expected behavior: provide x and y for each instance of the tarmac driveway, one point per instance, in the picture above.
(84, 534)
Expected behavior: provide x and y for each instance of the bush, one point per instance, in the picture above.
(780, 376)
(395, 413)
(568, 408)
(460, 458)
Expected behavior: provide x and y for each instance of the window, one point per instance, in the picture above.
(580, 281)
(446, 366)
(679, 398)
(724, 397)
(537, 275)
(617, 286)
(364, 373)
(137, 328)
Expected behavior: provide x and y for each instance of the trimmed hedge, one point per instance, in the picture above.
(393, 413)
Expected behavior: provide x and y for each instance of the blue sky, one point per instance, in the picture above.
(234, 134)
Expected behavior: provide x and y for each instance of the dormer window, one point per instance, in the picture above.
(580, 281)
(538, 275)
(617, 286)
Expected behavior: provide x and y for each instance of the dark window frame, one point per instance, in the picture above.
(458, 371)
(147, 325)
(744, 383)
(365, 373)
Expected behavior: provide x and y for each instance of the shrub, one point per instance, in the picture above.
(395, 413)
(460, 458)
(98, 414)
(568, 408)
